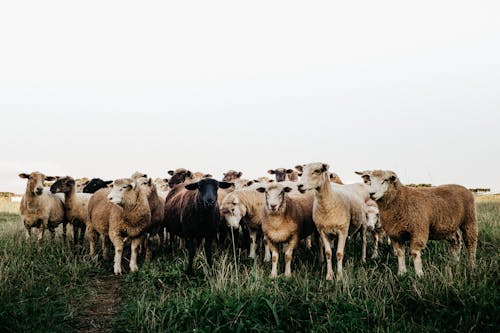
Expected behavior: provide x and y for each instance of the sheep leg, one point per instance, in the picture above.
(342, 237)
(328, 255)
(41, 231)
(454, 241)
(191, 246)
(93, 240)
(253, 242)
(28, 233)
(363, 238)
(133, 255)
(400, 252)
(75, 235)
(267, 251)
(118, 244)
(469, 234)
(64, 227)
(376, 240)
(288, 256)
(275, 257)
(309, 242)
(208, 250)
(148, 245)
(416, 252)
(105, 247)
(82, 234)
(53, 234)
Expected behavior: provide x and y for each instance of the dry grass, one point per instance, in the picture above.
(488, 198)
(6, 206)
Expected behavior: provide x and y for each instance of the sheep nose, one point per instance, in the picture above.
(300, 186)
(372, 193)
(273, 207)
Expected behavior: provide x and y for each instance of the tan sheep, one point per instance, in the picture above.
(81, 183)
(75, 206)
(283, 174)
(287, 219)
(232, 176)
(119, 213)
(157, 207)
(40, 208)
(419, 214)
(335, 211)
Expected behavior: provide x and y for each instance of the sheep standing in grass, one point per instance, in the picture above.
(336, 210)
(287, 219)
(118, 214)
(157, 207)
(75, 206)
(419, 214)
(41, 209)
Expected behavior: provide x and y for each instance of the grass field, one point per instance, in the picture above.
(49, 288)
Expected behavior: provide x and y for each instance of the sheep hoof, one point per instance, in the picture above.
(401, 273)
(420, 274)
(273, 276)
(329, 276)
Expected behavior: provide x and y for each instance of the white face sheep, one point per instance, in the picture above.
(41, 209)
(420, 214)
(287, 219)
(336, 210)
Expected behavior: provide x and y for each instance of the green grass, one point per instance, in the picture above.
(36, 286)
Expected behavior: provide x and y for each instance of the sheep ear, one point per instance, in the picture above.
(192, 186)
(108, 182)
(24, 175)
(239, 174)
(271, 172)
(171, 172)
(359, 172)
(325, 167)
(150, 181)
(261, 189)
(50, 178)
(299, 168)
(189, 174)
(393, 178)
(225, 184)
(289, 170)
(287, 189)
(250, 182)
(207, 175)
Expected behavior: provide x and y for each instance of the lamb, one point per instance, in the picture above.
(286, 219)
(75, 206)
(336, 210)
(191, 212)
(95, 184)
(283, 174)
(41, 209)
(118, 214)
(421, 214)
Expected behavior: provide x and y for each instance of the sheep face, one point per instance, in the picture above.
(63, 185)
(96, 184)
(207, 188)
(231, 176)
(365, 175)
(233, 211)
(178, 176)
(80, 184)
(121, 188)
(35, 181)
(146, 185)
(263, 180)
(381, 182)
(372, 218)
(314, 175)
(280, 173)
(275, 197)
(137, 175)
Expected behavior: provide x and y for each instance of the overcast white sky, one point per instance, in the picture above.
(105, 88)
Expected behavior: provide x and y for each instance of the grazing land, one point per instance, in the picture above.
(53, 288)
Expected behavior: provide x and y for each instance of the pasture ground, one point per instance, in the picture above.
(52, 288)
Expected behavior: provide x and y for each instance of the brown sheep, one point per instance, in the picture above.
(287, 219)
(283, 174)
(419, 214)
(119, 213)
(75, 206)
(231, 176)
(41, 209)
(179, 176)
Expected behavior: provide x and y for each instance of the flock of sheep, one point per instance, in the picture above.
(308, 204)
